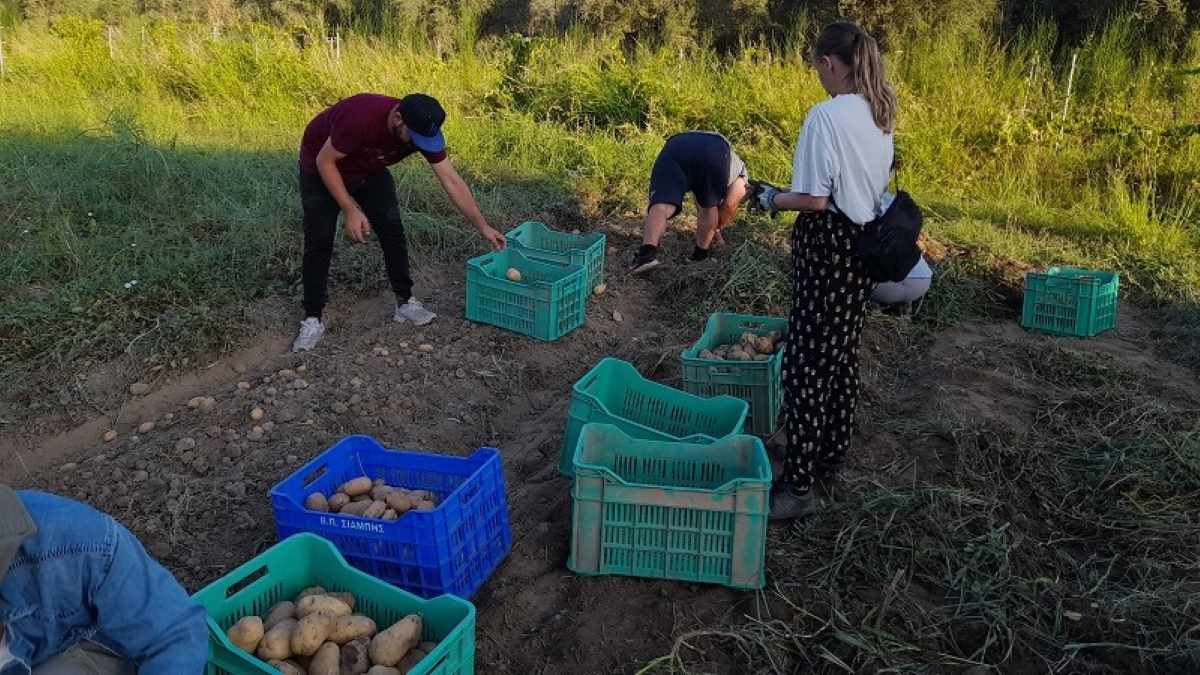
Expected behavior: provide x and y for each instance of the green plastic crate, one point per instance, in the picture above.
(546, 304)
(1071, 301)
(756, 382)
(670, 510)
(539, 242)
(304, 560)
(613, 392)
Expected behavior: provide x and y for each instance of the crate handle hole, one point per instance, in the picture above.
(316, 475)
(240, 586)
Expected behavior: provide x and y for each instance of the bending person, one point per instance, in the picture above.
(703, 163)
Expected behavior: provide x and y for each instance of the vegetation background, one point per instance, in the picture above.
(154, 140)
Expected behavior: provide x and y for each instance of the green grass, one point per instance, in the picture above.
(170, 159)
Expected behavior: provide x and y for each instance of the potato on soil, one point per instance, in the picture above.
(277, 643)
(359, 486)
(322, 603)
(356, 508)
(356, 659)
(279, 612)
(327, 660)
(347, 598)
(311, 590)
(349, 628)
(287, 667)
(338, 501)
(390, 646)
(375, 510)
(311, 633)
(316, 502)
(246, 633)
(411, 659)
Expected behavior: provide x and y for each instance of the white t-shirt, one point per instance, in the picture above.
(842, 154)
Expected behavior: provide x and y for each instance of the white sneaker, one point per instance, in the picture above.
(311, 332)
(413, 311)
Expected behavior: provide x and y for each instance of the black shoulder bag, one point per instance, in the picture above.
(888, 245)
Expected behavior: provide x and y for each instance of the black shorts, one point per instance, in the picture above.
(693, 162)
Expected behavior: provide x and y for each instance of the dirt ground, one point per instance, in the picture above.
(201, 505)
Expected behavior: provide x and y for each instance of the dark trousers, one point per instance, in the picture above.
(820, 362)
(376, 194)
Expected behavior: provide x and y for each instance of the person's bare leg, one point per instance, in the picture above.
(655, 224)
(706, 226)
(728, 209)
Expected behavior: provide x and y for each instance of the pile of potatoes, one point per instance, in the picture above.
(749, 347)
(362, 497)
(319, 634)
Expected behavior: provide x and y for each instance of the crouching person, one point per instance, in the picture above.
(80, 596)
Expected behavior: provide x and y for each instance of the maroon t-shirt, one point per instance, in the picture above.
(358, 127)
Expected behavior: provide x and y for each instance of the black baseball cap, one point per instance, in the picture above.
(424, 116)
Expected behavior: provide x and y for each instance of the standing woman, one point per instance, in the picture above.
(839, 177)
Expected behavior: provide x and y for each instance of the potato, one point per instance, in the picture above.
(276, 645)
(388, 647)
(311, 633)
(327, 660)
(426, 506)
(349, 628)
(347, 598)
(748, 339)
(279, 612)
(380, 492)
(317, 502)
(379, 481)
(355, 657)
(362, 498)
(513, 274)
(400, 502)
(764, 345)
(738, 355)
(311, 590)
(338, 500)
(322, 603)
(383, 670)
(287, 667)
(375, 510)
(391, 514)
(246, 633)
(359, 486)
(705, 354)
(427, 647)
(762, 357)
(411, 659)
(355, 508)
(600, 288)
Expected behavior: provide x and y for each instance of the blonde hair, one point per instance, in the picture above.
(860, 52)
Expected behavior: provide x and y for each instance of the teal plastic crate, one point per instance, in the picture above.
(670, 510)
(1071, 301)
(304, 560)
(613, 392)
(539, 242)
(547, 303)
(756, 382)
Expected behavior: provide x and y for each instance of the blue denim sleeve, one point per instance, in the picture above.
(145, 615)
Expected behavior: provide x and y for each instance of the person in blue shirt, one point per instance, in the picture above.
(79, 594)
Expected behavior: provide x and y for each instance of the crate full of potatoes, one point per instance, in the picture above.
(426, 522)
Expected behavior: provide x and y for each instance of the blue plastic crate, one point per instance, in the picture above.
(450, 549)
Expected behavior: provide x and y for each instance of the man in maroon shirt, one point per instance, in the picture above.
(343, 169)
